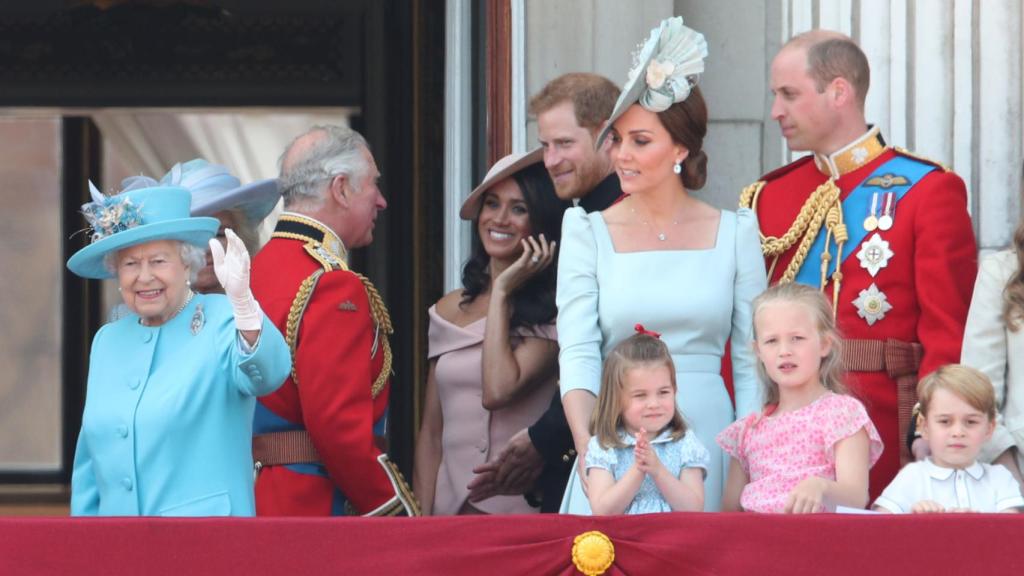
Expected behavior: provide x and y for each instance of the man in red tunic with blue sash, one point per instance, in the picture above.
(885, 234)
(320, 440)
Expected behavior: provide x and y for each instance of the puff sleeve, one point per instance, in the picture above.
(750, 281)
(579, 334)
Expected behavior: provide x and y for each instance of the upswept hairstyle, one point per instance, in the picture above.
(831, 371)
(687, 124)
(593, 97)
(969, 384)
(340, 151)
(1013, 294)
(832, 55)
(635, 351)
(534, 302)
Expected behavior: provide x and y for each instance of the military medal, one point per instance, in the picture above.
(871, 222)
(872, 304)
(198, 320)
(874, 254)
(885, 222)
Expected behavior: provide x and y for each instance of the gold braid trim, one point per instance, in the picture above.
(382, 319)
(298, 308)
(805, 227)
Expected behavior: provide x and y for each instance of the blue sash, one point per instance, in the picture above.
(857, 206)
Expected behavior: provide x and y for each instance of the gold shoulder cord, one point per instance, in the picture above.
(383, 321)
(298, 308)
(378, 312)
(821, 207)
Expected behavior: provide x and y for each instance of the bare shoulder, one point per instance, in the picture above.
(448, 306)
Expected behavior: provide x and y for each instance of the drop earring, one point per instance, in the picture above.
(678, 167)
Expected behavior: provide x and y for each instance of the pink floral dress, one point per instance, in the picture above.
(778, 452)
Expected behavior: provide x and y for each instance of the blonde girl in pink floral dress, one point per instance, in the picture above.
(810, 448)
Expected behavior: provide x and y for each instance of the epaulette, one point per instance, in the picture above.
(748, 196)
(908, 154)
(328, 261)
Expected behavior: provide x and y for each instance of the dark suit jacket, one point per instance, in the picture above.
(551, 435)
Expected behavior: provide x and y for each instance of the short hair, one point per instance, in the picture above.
(192, 256)
(831, 371)
(633, 352)
(969, 384)
(687, 123)
(832, 55)
(593, 97)
(339, 151)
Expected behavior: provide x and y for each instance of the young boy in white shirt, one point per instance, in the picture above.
(958, 414)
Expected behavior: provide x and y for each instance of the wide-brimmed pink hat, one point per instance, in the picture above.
(501, 170)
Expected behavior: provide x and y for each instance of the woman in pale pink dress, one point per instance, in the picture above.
(492, 344)
(810, 448)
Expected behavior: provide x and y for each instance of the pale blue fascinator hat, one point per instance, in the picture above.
(665, 69)
(215, 189)
(142, 212)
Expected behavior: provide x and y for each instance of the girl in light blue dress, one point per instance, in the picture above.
(662, 257)
(642, 458)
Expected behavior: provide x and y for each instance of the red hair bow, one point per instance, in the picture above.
(641, 330)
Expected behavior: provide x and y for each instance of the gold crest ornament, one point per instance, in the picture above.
(874, 254)
(347, 306)
(872, 304)
(592, 553)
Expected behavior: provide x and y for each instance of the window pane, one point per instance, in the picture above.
(30, 306)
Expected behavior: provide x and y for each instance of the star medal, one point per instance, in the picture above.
(874, 254)
(871, 222)
(198, 320)
(872, 304)
(885, 222)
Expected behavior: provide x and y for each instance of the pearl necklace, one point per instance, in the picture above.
(188, 298)
(661, 235)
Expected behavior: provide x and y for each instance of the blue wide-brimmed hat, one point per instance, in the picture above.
(214, 189)
(135, 217)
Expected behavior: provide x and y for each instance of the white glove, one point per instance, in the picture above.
(232, 270)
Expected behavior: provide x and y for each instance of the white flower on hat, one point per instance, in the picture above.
(658, 72)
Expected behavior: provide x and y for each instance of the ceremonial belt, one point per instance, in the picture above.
(292, 447)
(856, 205)
(901, 361)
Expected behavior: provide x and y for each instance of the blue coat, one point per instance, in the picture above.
(167, 427)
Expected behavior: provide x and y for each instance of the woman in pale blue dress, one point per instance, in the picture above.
(662, 258)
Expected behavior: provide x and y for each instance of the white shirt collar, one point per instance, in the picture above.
(629, 440)
(975, 470)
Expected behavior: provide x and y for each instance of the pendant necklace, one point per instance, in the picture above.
(661, 235)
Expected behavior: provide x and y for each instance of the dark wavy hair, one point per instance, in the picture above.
(533, 303)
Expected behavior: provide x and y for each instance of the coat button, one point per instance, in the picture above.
(122, 431)
(565, 457)
(147, 336)
(127, 483)
(134, 384)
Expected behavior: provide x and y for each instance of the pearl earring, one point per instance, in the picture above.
(678, 167)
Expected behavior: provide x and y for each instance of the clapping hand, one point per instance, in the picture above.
(644, 456)
(537, 255)
(232, 270)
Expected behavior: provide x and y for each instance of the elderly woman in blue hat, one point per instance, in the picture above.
(219, 194)
(167, 427)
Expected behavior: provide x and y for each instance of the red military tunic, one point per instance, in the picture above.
(928, 280)
(336, 391)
